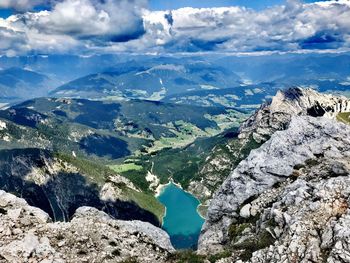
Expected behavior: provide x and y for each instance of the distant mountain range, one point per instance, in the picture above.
(227, 81)
(153, 81)
(17, 83)
(220, 80)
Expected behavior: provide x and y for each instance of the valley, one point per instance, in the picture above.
(152, 131)
(157, 153)
(100, 140)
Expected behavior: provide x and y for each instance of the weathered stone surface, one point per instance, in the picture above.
(271, 117)
(28, 235)
(288, 201)
(276, 115)
(260, 176)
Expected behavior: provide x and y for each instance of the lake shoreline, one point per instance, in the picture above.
(161, 187)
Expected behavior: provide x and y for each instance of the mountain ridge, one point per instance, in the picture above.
(258, 214)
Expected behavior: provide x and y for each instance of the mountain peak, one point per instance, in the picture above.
(276, 114)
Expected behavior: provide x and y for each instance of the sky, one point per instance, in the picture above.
(30, 27)
(256, 4)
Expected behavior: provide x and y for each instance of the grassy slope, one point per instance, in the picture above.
(98, 174)
(146, 201)
(344, 117)
(181, 164)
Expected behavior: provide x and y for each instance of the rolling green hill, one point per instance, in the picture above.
(113, 130)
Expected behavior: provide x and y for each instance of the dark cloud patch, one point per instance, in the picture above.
(169, 18)
(323, 40)
(136, 32)
(203, 45)
(139, 32)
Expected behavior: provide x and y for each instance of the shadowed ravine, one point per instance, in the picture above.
(61, 194)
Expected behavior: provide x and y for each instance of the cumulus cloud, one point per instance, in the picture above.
(77, 24)
(21, 5)
(289, 27)
(126, 25)
(112, 20)
(12, 41)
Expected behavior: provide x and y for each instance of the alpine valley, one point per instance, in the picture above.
(187, 131)
(104, 168)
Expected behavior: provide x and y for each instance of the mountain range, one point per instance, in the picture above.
(18, 84)
(211, 80)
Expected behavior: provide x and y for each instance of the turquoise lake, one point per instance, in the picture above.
(181, 222)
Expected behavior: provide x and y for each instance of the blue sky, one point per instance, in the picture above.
(175, 4)
(255, 4)
(5, 12)
(171, 4)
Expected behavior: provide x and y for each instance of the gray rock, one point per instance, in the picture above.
(276, 115)
(306, 139)
(271, 117)
(28, 235)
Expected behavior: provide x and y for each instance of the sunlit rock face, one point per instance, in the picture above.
(276, 114)
(288, 200)
(272, 116)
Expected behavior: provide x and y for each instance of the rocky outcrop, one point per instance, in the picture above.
(27, 234)
(222, 160)
(272, 116)
(288, 200)
(276, 114)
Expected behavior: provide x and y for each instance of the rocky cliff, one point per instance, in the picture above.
(27, 234)
(272, 116)
(276, 114)
(60, 184)
(288, 200)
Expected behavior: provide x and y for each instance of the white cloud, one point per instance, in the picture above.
(87, 18)
(288, 27)
(75, 24)
(117, 26)
(20, 5)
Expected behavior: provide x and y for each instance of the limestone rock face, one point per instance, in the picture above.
(276, 115)
(27, 234)
(271, 117)
(288, 200)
